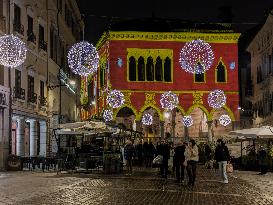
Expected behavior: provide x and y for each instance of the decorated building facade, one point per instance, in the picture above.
(145, 64)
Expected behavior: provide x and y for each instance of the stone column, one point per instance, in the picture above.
(33, 138)
(173, 123)
(20, 136)
(162, 129)
(43, 138)
(138, 126)
(209, 130)
(186, 133)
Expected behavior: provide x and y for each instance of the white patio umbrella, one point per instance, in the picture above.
(259, 132)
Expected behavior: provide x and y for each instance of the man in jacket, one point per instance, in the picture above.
(129, 153)
(179, 159)
(222, 157)
(165, 152)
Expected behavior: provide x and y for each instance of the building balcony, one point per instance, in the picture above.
(32, 98)
(42, 101)
(19, 28)
(19, 93)
(3, 100)
(31, 37)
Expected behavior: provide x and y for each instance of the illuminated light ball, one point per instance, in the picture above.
(169, 100)
(13, 51)
(224, 120)
(217, 99)
(147, 119)
(196, 57)
(187, 121)
(115, 99)
(83, 58)
(108, 115)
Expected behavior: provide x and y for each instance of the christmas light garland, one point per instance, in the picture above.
(108, 115)
(147, 119)
(217, 99)
(13, 51)
(224, 120)
(115, 99)
(196, 57)
(83, 58)
(187, 121)
(169, 100)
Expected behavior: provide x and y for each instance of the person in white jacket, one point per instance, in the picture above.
(191, 159)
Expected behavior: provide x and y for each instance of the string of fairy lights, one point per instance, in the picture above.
(83, 59)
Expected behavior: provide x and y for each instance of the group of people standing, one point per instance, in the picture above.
(185, 157)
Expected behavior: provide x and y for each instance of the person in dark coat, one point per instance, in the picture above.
(129, 153)
(222, 157)
(262, 157)
(146, 153)
(165, 152)
(151, 154)
(179, 158)
(139, 149)
(207, 152)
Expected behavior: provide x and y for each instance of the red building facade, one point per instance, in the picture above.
(143, 65)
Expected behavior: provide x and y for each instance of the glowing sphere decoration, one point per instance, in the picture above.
(13, 51)
(217, 99)
(169, 100)
(147, 119)
(187, 121)
(224, 120)
(115, 99)
(83, 58)
(108, 115)
(196, 57)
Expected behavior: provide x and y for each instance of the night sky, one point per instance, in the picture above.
(246, 13)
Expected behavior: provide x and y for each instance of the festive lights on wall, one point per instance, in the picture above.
(83, 58)
(224, 120)
(13, 51)
(115, 99)
(108, 115)
(196, 57)
(216, 99)
(169, 100)
(147, 119)
(187, 121)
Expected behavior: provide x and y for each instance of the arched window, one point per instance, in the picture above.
(167, 70)
(221, 73)
(141, 69)
(199, 78)
(158, 69)
(132, 69)
(150, 69)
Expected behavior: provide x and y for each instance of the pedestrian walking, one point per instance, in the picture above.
(191, 159)
(129, 153)
(179, 159)
(222, 157)
(139, 150)
(151, 154)
(165, 152)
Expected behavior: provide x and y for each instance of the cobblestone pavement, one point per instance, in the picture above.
(143, 187)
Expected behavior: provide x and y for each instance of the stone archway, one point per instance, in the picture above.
(219, 130)
(199, 129)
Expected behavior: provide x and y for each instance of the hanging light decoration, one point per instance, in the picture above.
(217, 99)
(13, 51)
(187, 121)
(108, 115)
(196, 57)
(147, 119)
(169, 100)
(224, 120)
(115, 99)
(83, 58)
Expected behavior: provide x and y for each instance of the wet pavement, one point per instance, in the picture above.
(143, 187)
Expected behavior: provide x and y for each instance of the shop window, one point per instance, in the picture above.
(141, 69)
(132, 69)
(167, 70)
(158, 69)
(221, 73)
(17, 79)
(150, 69)
(199, 77)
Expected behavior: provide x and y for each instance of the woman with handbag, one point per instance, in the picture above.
(191, 159)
